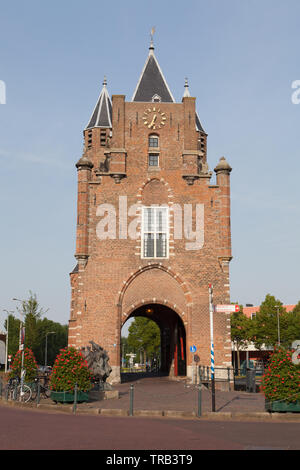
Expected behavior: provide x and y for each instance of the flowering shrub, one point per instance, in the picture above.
(30, 365)
(281, 380)
(70, 368)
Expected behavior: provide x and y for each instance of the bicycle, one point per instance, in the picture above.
(18, 392)
(42, 387)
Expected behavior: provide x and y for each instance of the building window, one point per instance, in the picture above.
(103, 138)
(153, 159)
(153, 141)
(90, 134)
(156, 99)
(155, 232)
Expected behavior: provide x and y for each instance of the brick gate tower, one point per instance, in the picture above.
(153, 230)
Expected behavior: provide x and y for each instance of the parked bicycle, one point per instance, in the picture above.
(41, 387)
(18, 392)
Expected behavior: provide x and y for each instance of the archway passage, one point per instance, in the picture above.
(173, 337)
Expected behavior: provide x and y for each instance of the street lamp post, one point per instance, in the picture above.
(22, 346)
(49, 333)
(6, 342)
(278, 324)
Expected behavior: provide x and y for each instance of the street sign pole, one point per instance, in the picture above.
(212, 354)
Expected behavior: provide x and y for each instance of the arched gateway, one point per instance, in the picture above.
(153, 231)
(172, 336)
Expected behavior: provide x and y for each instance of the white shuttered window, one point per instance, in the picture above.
(155, 232)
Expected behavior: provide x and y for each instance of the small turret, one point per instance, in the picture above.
(223, 167)
(223, 170)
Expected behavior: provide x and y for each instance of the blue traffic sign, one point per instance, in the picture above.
(193, 349)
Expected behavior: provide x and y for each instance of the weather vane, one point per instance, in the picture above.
(151, 36)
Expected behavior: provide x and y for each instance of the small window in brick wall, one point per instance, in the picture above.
(153, 141)
(90, 139)
(103, 138)
(153, 159)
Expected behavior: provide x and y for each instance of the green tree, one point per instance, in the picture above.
(241, 329)
(124, 350)
(292, 330)
(13, 334)
(282, 378)
(265, 324)
(70, 368)
(57, 340)
(36, 329)
(31, 313)
(144, 334)
(29, 365)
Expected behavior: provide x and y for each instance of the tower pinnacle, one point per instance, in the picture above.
(102, 114)
(151, 48)
(186, 89)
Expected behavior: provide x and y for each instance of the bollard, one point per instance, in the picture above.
(15, 392)
(213, 394)
(228, 376)
(38, 393)
(75, 399)
(131, 401)
(1, 387)
(199, 413)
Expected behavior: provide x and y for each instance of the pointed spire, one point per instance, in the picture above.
(152, 85)
(101, 116)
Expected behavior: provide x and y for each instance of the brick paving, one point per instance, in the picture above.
(161, 393)
(154, 393)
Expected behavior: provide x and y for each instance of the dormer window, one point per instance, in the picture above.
(156, 99)
(153, 141)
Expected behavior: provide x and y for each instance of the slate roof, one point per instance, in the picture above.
(102, 114)
(198, 124)
(152, 82)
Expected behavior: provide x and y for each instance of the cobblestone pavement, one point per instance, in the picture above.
(161, 393)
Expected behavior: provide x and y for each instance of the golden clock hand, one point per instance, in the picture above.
(153, 121)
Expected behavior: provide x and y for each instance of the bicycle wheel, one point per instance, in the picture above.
(26, 393)
(34, 393)
(46, 392)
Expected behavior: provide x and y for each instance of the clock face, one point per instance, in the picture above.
(154, 118)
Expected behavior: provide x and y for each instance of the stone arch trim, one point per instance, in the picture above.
(155, 178)
(184, 313)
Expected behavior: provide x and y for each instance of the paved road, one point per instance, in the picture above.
(36, 430)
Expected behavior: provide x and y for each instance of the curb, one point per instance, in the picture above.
(176, 414)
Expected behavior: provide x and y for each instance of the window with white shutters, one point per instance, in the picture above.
(155, 232)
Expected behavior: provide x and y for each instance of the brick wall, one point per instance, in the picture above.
(112, 279)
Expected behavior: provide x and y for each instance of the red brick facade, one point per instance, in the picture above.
(112, 281)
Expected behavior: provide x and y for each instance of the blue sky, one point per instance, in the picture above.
(240, 57)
